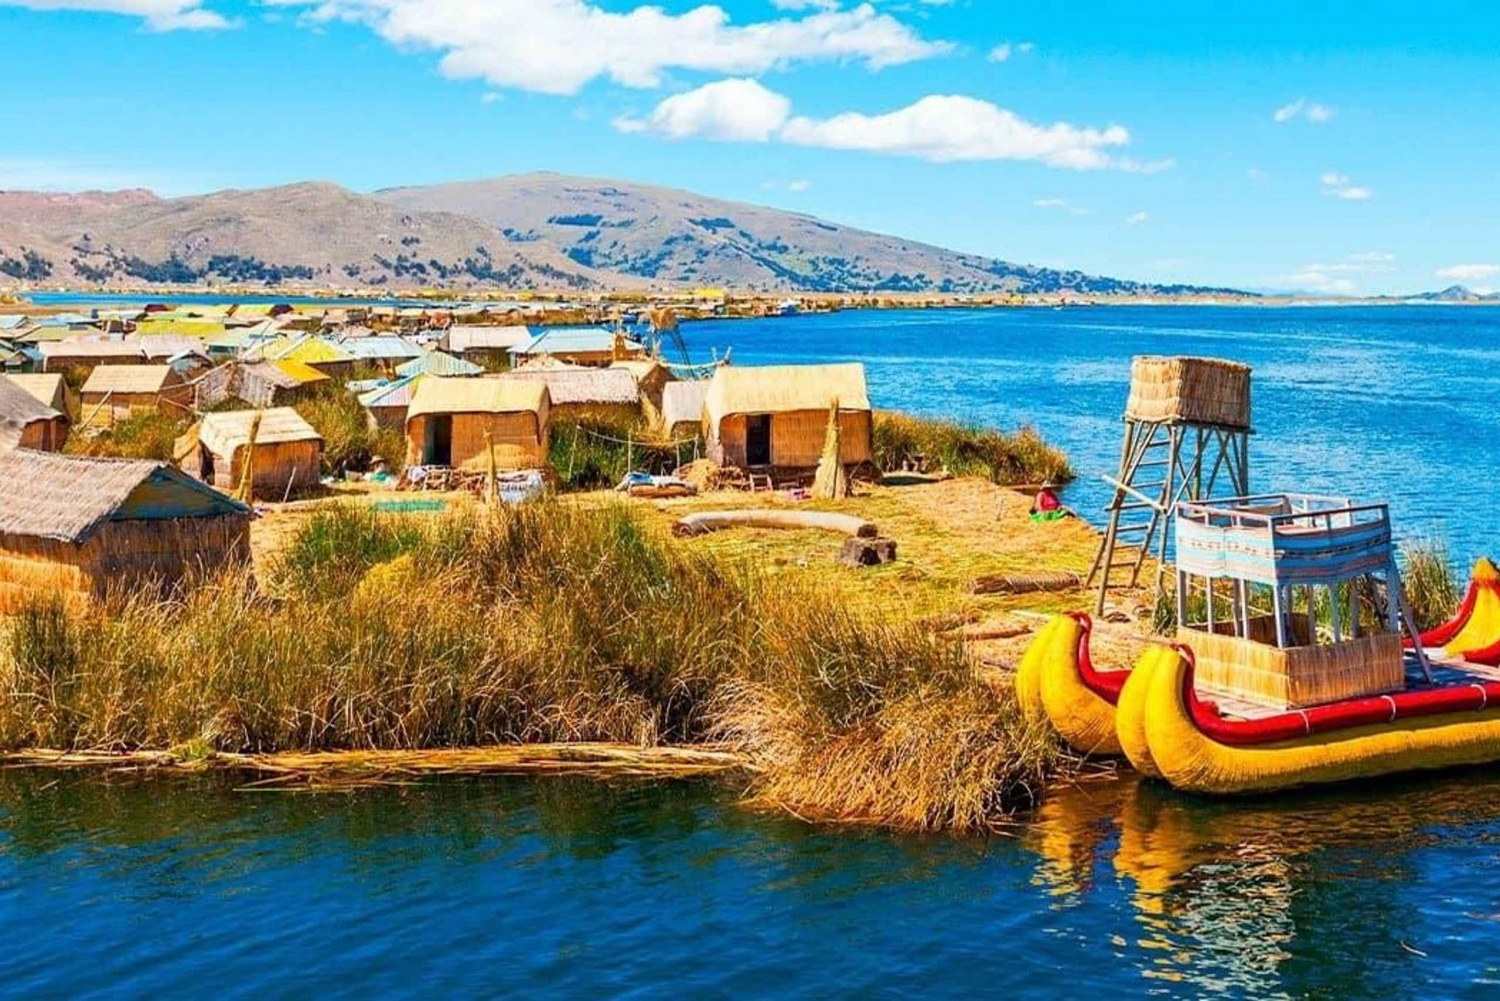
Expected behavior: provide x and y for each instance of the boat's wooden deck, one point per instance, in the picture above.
(1446, 671)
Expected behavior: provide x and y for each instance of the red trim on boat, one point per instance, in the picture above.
(1440, 635)
(1456, 698)
(1105, 684)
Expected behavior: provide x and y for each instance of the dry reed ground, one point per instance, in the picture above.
(948, 533)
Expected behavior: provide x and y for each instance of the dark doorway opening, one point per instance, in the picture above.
(758, 440)
(439, 444)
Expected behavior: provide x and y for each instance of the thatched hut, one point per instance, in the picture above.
(113, 392)
(454, 422)
(75, 527)
(87, 353)
(26, 422)
(651, 376)
(287, 457)
(776, 416)
(610, 395)
(682, 408)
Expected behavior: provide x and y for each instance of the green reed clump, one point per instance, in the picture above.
(594, 452)
(1432, 589)
(903, 441)
(142, 435)
(544, 622)
(350, 442)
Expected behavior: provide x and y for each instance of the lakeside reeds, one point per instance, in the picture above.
(538, 624)
(904, 441)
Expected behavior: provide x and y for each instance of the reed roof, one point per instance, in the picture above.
(777, 389)
(65, 497)
(86, 348)
(129, 379)
(221, 433)
(581, 385)
(436, 395)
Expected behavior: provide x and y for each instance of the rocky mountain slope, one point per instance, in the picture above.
(312, 234)
(525, 231)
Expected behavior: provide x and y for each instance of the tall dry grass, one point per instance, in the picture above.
(545, 622)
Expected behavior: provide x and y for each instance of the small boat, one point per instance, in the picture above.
(1286, 702)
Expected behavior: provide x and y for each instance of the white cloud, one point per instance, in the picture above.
(1136, 218)
(1287, 112)
(490, 97)
(949, 128)
(1310, 110)
(799, 186)
(729, 110)
(159, 15)
(1061, 203)
(558, 46)
(1005, 50)
(1469, 272)
(1255, 174)
(1338, 186)
(805, 4)
(1339, 277)
(939, 129)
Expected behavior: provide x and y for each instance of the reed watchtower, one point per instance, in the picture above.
(1187, 434)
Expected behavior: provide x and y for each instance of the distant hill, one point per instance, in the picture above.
(1453, 293)
(527, 231)
(310, 234)
(670, 236)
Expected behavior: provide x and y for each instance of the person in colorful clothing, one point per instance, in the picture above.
(1047, 507)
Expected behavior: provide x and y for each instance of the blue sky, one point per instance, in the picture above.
(1335, 146)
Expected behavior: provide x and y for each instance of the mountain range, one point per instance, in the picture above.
(523, 232)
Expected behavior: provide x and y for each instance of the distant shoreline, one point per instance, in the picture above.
(732, 303)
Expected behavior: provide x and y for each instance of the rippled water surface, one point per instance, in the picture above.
(1394, 403)
(185, 888)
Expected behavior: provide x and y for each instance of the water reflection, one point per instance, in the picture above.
(1252, 896)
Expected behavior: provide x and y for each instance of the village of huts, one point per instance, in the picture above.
(137, 443)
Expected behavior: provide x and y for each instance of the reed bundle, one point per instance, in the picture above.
(1195, 390)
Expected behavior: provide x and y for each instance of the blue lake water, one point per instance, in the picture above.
(178, 888)
(1390, 403)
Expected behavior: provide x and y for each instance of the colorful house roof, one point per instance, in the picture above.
(438, 363)
(304, 373)
(380, 347)
(573, 340)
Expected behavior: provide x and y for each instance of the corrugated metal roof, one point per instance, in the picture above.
(682, 402)
(462, 337)
(438, 363)
(304, 373)
(84, 348)
(392, 394)
(380, 347)
(64, 497)
(555, 340)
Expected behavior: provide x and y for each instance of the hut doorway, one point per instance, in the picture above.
(205, 465)
(439, 444)
(758, 440)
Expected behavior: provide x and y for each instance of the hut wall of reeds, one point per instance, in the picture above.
(77, 527)
(456, 422)
(1189, 390)
(286, 459)
(1299, 676)
(114, 392)
(778, 416)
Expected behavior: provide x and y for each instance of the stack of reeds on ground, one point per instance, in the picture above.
(546, 623)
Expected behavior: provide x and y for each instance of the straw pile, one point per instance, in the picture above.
(831, 481)
(1195, 390)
